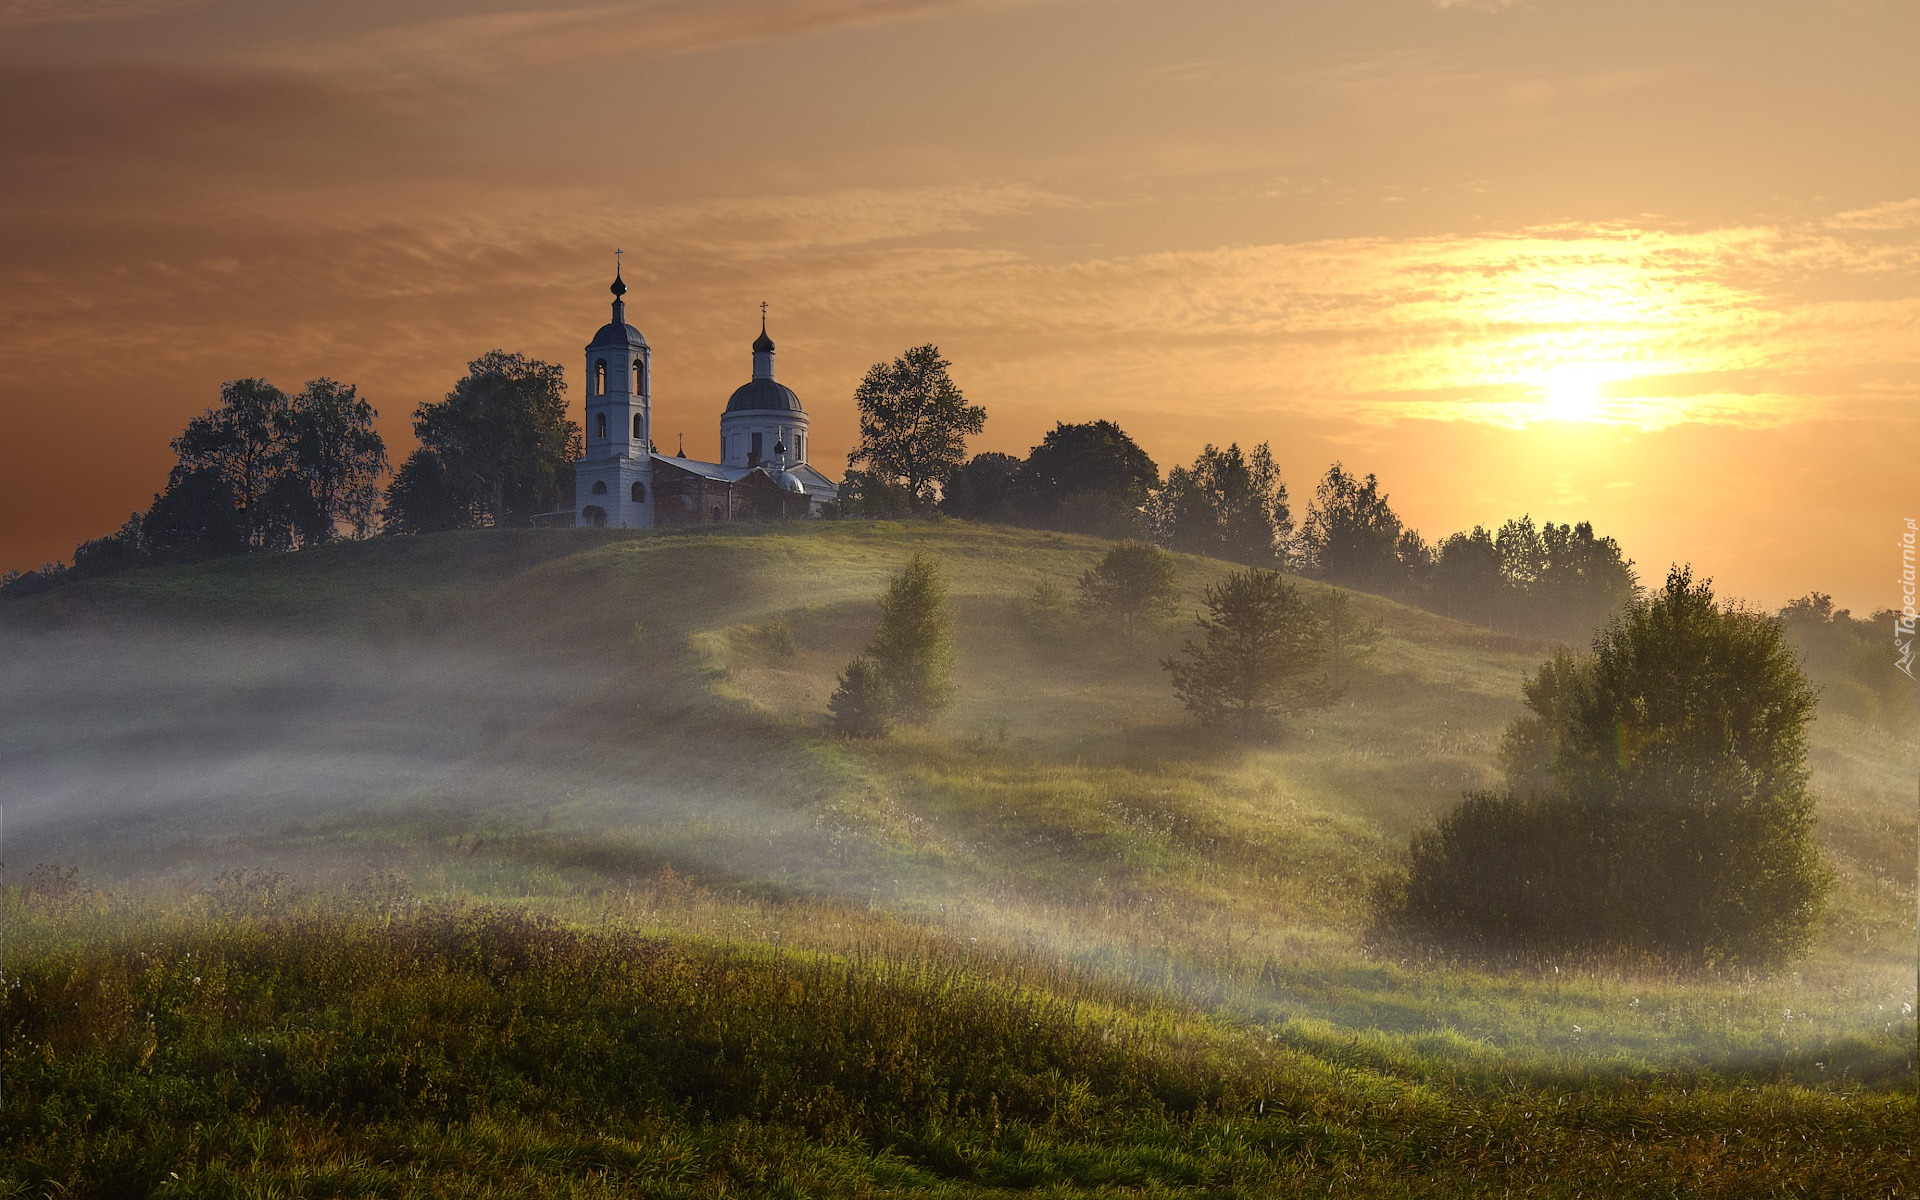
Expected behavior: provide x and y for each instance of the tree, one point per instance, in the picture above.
(914, 424)
(1657, 799)
(197, 516)
(861, 705)
(1258, 656)
(423, 499)
(1584, 579)
(1087, 478)
(502, 436)
(984, 488)
(297, 466)
(337, 457)
(1353, 535)
(1348, 638)
(117, 551)
(1466, 579)
(1132, 583)
(243, 442)
(1226, 505)
(913, 648)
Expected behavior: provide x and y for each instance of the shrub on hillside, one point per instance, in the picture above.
(1259, 656)
(1133, 583)
(1658, 802)
(861, 705)
(913, 648)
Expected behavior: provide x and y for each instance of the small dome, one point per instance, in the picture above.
(790, 481)
(764, 395)
(619, 285)
(763, 344)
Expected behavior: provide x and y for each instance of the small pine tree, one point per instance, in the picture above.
(1259, 657)
(1349, 638)
(1132, 584)
(913, 648)
(861, 705)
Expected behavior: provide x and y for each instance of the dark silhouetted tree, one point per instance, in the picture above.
(1130, 585)
(1353, 536)
(337, 457)
(198, 516)
(914, 424)
(1087, 478)
(1259, 656)
(423, 499)
(984, 488)
(1226, 505)
(503, 437)
(913, 647)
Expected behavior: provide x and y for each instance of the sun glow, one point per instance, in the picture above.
(1573, 394)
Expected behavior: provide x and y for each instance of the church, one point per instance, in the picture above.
(763, 473)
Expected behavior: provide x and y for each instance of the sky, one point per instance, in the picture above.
(1656, 266)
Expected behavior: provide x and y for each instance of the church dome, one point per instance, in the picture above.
(763, 344)
(763, 395)
(790, 481)
(617, 334)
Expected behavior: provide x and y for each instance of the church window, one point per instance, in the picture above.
(639, 492)
(639, 379)
(800, 446)
(600, 378)
(599, 487)
(636, 425)
(716, 512)
(599, 424)
(756, 444)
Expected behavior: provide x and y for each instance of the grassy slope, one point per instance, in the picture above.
(1062, 818)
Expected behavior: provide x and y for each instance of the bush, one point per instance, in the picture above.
(861, 706)
(1658, 802)
(913, 648)
(1259, 657)
(1131, 584)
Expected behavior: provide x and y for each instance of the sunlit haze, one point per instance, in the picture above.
(1656, 266)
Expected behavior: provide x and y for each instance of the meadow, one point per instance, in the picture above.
(521, 863)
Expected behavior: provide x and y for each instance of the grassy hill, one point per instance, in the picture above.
(520, 863)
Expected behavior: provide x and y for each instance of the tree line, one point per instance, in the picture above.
(265, 470)
(1092, 477)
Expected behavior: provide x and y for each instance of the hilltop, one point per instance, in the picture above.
(624, 734)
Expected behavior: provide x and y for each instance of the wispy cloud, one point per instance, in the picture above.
(16, 13)
(534, 37)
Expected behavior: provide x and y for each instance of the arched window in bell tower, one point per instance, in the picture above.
(600, 425)
(636, 425)
(600, 381)
(639, 379)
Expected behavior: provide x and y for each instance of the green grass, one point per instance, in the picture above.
(1090, 941)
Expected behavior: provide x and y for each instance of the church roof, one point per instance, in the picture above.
(811, 481)
(763, 395)
(621, 335)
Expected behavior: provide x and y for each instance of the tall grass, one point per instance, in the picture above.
(380, 1046)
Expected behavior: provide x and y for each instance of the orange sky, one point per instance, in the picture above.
(1653, 265)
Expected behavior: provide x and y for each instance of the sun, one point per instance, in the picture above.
(1573, 394)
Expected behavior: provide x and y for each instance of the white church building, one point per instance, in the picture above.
(620, 481)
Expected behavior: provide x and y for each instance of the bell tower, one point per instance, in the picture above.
(613, 479)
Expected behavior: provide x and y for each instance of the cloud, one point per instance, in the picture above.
(1895, 214)
(17, 13)
(535, 37)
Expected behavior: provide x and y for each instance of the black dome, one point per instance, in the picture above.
(763, 344)
(764, 395)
